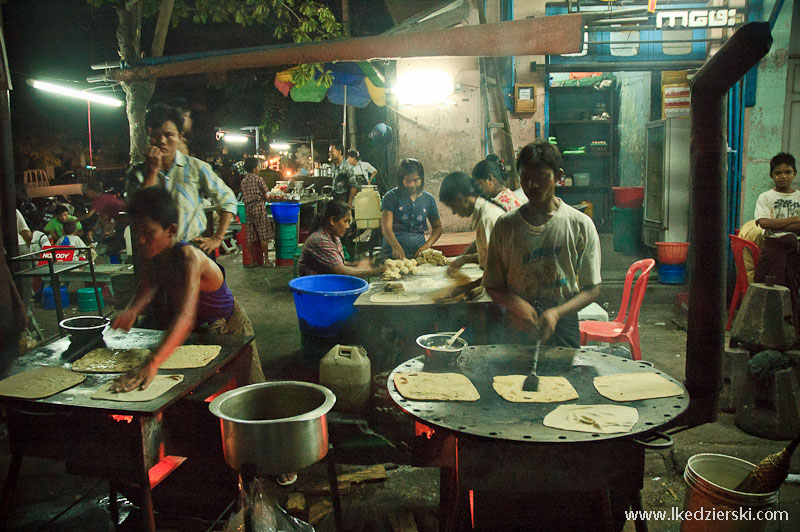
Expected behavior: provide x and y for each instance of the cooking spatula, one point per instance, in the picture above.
(531, 383)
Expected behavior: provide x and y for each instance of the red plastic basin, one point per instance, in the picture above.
(628, 197)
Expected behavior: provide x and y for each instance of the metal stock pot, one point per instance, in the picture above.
(279, 427)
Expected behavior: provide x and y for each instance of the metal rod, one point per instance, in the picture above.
(708, 153)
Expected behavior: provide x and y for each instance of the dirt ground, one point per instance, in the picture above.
(47, 498)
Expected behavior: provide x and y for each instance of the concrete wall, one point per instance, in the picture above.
(444, 137)
(633, 115)
(765, 120)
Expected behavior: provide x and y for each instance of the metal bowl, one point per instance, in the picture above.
(279, 427)
(84, 329)
(433, 344)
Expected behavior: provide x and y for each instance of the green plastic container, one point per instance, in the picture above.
(87, 301)
(242, 217)
(287, 231)
(627, 228)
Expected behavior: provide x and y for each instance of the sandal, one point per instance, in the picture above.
(286, 479)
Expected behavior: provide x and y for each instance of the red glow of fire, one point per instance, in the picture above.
(230, 386)
(420, 430)
(117, 417)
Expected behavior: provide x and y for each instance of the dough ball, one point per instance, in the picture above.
(406, 262)
(413, 262)
(413, 270)
(403, 270)
(395, 274)
(390, 263)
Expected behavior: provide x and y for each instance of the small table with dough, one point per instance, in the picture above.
(503, 447)
(119, 441)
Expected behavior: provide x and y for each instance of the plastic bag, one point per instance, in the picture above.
(266, 514)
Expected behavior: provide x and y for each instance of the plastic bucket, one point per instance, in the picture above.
(627, 229)
(48, 300)
(628, 197)
(242, 218)
(710, 479)
(285, 212)
(672, 252)
(286, 232)
(324, 303)
(672, 273)
(87, 301)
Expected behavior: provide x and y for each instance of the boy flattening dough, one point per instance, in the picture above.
(198, 296)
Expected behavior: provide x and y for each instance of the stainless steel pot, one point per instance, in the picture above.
(279, 427)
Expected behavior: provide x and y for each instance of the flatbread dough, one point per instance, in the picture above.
(40, 382)
(635, 386)
(422, 386)
(107, 360)
(394, 297)
(603, 419)
(551, 389)
(191, 356)
(160, 385)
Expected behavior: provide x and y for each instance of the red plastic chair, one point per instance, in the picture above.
(738, 244)
(627, 330)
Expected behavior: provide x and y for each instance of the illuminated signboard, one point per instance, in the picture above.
(668, 36)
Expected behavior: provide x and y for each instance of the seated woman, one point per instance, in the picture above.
(491, 179)
(322, 250)
(405, 213)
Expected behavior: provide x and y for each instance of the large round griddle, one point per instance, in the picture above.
(494, 417)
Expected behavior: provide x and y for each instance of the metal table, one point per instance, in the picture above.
(125, 443)
(498, 446)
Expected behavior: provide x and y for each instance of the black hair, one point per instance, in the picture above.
(250, 164)
(410, 166)
(538, 152)
(332, 209)
(487, 169)
(338, 147)
(69, 227)
(354, 154)
(154, 203)
(457, 183)
(160, 113)
(782, 158)
(95, 187)
(501, 164)
(59, 209)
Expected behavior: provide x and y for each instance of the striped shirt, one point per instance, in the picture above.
(189, 180)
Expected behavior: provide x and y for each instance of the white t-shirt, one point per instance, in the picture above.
(74, 241)
(544, 263)
(774, 204)
(22, 225)
(484, 217)
(363, 170)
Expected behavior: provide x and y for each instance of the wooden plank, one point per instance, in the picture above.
(403, 521)
(559, 34)
(375, 473)
(296, 503)
(319, 510)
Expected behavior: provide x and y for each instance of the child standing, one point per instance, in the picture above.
(778, 212)
(259, 229)
(198, 296)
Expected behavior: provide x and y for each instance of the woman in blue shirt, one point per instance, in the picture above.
(405, 213)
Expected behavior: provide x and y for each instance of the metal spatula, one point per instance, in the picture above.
(531, 383)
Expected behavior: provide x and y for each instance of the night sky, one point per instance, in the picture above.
(58, 40)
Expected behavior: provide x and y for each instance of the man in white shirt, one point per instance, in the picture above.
(365, 173)
(543, 264)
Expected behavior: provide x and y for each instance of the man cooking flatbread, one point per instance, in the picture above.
(543, 264)
(198, 298)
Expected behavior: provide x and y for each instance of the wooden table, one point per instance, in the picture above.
(79, 271)
(122, 442)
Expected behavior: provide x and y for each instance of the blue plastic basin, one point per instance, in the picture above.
(672, 273)
(285, 212)
(49, 300)
(324, 303)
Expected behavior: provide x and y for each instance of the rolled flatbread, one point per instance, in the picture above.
(107, 360)
(394, 297)
(422, 386)
(191, 356)
(40, 382)
(160, 385)
(603, 419)
(635, 386)
(551, 389)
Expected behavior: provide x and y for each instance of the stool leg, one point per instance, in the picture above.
(636, 506)
(334, 484)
